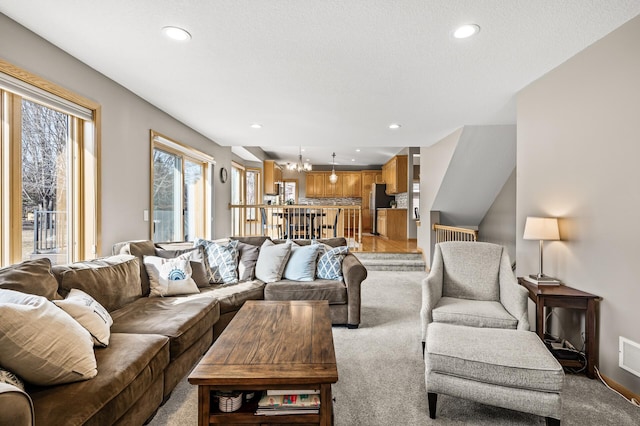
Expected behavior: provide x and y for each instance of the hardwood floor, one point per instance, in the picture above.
(374, 244)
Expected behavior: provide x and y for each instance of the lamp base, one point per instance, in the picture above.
(541, 278)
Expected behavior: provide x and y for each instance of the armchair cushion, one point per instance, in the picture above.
(473, 313)
(471, 270)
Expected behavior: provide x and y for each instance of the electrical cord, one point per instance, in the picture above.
(631, 401)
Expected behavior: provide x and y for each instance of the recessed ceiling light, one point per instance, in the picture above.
(256, 126)
(467, 30)
(353, 159)
(358, 150)
(176, 33)
(394, 126)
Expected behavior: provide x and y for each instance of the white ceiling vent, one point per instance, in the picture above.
(629, 356)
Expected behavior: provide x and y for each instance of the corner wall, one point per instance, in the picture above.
(578, 151)
(125, 145)
(499, 224)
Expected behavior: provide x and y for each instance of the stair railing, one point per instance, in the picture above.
(454, 233)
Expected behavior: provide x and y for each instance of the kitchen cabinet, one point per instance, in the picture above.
(395, 174)
(272, 177)
(392, 223)
(351, 184)
(315, 184)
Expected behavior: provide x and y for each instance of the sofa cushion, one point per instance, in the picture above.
(138, 249)
(184, 320)
(89, 313)
(301, 265)
(30, 276)
(113, 281)
(221, 260)
(477, 276)
(247, 261)
(330, 263)
(42, 343)
(126, 370)
(473, 313)
(170, 277)
(232, 297)
(333, 291)
(254, 241)
(198, 267)
(272, 261)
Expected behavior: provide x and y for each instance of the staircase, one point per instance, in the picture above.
(391, 261)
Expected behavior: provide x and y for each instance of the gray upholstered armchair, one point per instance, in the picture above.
(472, 284)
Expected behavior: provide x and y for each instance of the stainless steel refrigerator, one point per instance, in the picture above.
(378, 199)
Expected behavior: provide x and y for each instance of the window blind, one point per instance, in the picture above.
(26, 90)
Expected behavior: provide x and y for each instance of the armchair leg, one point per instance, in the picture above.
(433, 400)
(424, 344)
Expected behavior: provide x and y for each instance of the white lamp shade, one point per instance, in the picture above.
(541, 228)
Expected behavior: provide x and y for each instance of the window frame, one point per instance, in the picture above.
(186, 153)
(85, 210)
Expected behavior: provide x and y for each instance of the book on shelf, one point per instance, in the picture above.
(288, 412)
(293, 392)
(284, 402)
(543, 280)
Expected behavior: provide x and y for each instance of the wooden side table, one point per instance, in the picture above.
(562, 296)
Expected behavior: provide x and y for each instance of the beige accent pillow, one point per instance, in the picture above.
(31, 276)
(198, 268)
(90, 314)
(41, 343)
(272, 260)
(170, 277)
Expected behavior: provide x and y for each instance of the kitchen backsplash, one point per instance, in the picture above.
(403, 200)
(341, 201)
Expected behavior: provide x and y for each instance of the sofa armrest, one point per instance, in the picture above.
(16, 407)
(513, 296)
(354, 273)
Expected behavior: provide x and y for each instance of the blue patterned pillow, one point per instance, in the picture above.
(221, 260)
(330, 263)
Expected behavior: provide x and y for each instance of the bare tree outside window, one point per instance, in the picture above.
(45, 182)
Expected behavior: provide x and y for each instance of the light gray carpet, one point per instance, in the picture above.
(381, 374)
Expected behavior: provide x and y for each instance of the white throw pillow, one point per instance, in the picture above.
(42, 343)
(170, 277)
(301, 265)
(90, 314)
(272, 260)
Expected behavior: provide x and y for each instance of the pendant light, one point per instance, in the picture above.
(333, 177)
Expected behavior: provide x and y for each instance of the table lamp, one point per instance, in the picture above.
(541, 228)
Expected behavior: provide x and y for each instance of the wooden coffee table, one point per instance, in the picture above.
(269, 345)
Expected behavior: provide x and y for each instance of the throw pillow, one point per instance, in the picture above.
(170, 277)
(330, 263)
(301, 265)
(41, 343)
(30, 276)
(197, 262)
(247, 261)
(272, 260)
(222, 260)
(9, 378)
(90, 314)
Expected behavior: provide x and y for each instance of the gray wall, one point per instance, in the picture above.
(434, 162)
(499, 224)
(126, 120)
(578, 151)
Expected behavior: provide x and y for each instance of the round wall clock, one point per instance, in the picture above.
(223, 175)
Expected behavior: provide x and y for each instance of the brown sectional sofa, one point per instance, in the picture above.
(155, 341)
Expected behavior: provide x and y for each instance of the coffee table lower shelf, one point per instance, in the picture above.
(245, 415)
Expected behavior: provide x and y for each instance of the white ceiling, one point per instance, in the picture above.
(327, 75)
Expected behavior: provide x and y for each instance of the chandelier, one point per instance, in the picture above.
(333, 177)
(299, 166)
